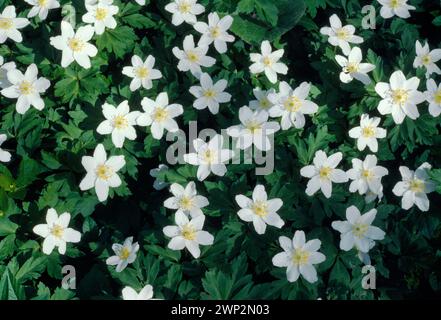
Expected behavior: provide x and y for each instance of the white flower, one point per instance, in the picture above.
(188, 234)
(101, 172)
(254, 129)
(56, 232)
(367, 133)
(366, 175)
(209, 94)
(433, 97)
(400, 97)
(292, 105)
(140, 2)
(357, 231)
(142, 72)
(5, 156)
(323, 173)
(26, 88)
(41, 7)
(215, 31)
(426, 58)
(9, 25)
(75, 45)
(260, 210)
(119, 122)
(414, 187)
(184, 11)
(262, 102)
(192, 58)
(4, 69)
(392, 8)
(146, 293)
(353, 68)
(299, 257)
(159, 115)
(101, 15)
(159, 184)
(210, 157)
(124, 254)
(186, 200)
(340, 35)
(268, 62)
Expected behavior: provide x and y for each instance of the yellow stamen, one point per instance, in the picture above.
(417, 186)
(184, 7)
(26, 87)
(367, 174)
(325, 172)
(267, 61)
(394, 4)
(186, 203)
(101, 14)
(75, 44)
(124, 254)
(359, 229)
(293, 104)
(192, 56)
(368, 132)
(104, 172)
(253, 126)
(215, 32)
(426, 59)
(160, 114)
(400, 96)
(300, 257)
(42, 3)
(6, 23)
(188, 232)
(209, 93)
(264, 103)
(57, 231)
(260, 208)
(342, 34)
(120, 122)
(352, 67)
(437, 97)
(209, 156)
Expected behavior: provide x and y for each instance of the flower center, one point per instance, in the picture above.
(416, 186)
(120, 122)
(184, 7)
(101, 14)
(367, 174)
(426, 59)
(142, 72)
(124, 254)
(160, 114)
(209, 93)
(352, 67)
(300, 257)
(26, 87)
(267, 61)
(293, 104)
(359, 229)
(368, 132)
(42, 3)
(394, 3)
(75, 44)
(253, 126)
(186, 203)
(215, 32)
(342, 34)
(104, 172)
(209, 156)
(260, 208)
(264, 103)
(325, 172)
(57, 231)
(192, 56)
(6, 23)
(437, 97)
(400, 96)
(188, 232)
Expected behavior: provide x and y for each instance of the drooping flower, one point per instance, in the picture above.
(192, 58)
(159, 115)
(414, 187)
(9, 25)
(159, 184)
(56, 232)
(367, 133)
(4, 69)
(119, 123)
(5, 156)
(142, 73)
(184, 11)
(323, 173)
(427, 59)
(41, 7)
(215, 31)
(358, 231)
(260, 210)
(392, 8)
(400, 97)
(146, 293)
(433, 97)
(299, 257)
(101, 15)
(188, 234)
(366, 175)
(210, 95)
(262, 101)
(353, 68)
(101, 172)
(253, 130)
(292, 105)
(26, 88)
(124, 254)
(186, 200)
(268, 62)
(341, 36)
(210, 157)
(75, 45)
